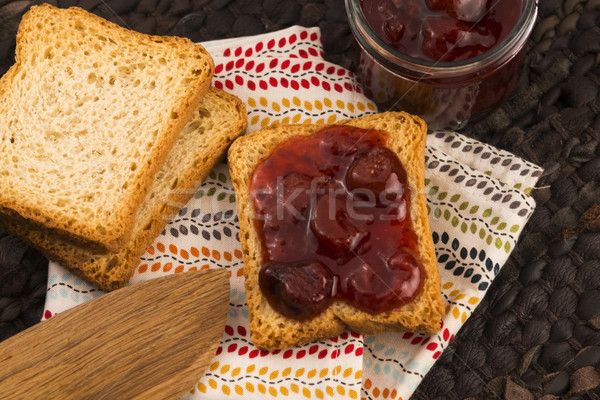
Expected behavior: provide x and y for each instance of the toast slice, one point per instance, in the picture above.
(271, 330)
(88, 115)
(218, 120)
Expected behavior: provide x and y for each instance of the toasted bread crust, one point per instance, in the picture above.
(217, 121)
(48, 33)
(269, 329)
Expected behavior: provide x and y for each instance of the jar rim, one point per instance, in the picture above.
(392, 58)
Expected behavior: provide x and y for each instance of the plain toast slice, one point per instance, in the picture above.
(88, 115)
(271, 330)
(218, 120)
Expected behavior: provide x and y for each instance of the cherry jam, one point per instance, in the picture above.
(441, 30)
(448, 61)
(332, 213)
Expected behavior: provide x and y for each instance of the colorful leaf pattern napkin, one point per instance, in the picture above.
(477, 201)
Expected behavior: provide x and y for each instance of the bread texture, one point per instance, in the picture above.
(269, 329)
(219, 119)
(88, 115)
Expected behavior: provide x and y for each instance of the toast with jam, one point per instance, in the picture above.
(217, 121)
(88, 115)
(334, 229)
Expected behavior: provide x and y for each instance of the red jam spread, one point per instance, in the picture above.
(441, 30)
(332, 212)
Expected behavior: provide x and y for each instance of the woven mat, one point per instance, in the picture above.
(537, 332)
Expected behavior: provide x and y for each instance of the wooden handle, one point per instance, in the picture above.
(151, 340)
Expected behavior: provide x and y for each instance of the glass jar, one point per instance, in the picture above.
(445, 94)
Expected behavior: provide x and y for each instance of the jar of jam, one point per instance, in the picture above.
(447, 61)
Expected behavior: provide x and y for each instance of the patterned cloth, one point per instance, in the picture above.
(478, 204)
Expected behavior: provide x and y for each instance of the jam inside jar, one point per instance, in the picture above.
(332, 212)
(447, 61)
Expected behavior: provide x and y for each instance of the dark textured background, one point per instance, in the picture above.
(537, 332)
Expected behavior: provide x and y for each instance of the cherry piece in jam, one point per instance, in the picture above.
(403, 263)
(296, 195)
(297, 290)
(445, 39)
(374, 171)
(464, 10)
(372, 290)
(365, 244)
(394, 29)
(333, 226)
(343, 143)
